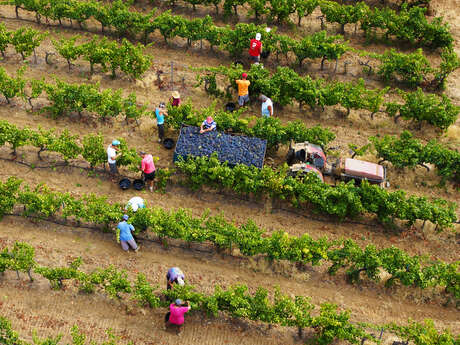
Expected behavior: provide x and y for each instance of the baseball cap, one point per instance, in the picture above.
(244, 75)
(115, 142)
(258, 36)
(178, 301)
(125, 217)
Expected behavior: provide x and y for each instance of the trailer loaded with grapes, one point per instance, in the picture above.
(234, 149)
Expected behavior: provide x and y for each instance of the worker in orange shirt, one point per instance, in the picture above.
(243, 90)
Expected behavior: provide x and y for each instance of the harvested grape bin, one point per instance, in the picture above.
(234, 149)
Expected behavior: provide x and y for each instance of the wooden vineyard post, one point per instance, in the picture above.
(268, 204)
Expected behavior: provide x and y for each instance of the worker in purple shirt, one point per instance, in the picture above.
(174, 276)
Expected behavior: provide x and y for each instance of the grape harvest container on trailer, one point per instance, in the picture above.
(233, 149)
(306, 157)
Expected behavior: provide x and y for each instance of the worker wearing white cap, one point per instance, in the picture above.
(135, 203)
(175, 276)
(112, 155)
(255, 48)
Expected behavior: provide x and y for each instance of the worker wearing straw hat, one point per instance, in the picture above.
(175, 99)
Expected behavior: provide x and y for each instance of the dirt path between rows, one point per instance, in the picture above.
(57, 245)
(37, 308)
(442, 246)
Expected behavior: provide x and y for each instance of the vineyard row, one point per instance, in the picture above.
(277, 308)
(248, 238)
(65, 98)
(127, 57)
(341, 201)
(409, 25)
(414, 68)
(407, 151)
(285, 86)
(344, 200)
(403, 152)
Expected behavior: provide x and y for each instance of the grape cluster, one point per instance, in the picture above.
(229, 148)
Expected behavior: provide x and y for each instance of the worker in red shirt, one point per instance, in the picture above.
(255, 48)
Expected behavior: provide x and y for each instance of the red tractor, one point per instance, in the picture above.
(305, 157)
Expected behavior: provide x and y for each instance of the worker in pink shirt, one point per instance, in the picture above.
(175, 316)
(148, 168)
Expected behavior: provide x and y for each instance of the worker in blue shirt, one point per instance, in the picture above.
(124, 235)
(208, 125)
(160, 114)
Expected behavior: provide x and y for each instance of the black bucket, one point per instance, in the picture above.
(265, 54)
(168, 143)
(230, 107)
(301, 155)
(138, 184)
(124, 183)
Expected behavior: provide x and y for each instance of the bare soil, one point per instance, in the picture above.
(57, 245)
(35, 306)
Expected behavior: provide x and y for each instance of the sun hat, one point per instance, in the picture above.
(180, 281)
(125, 217)
(178, 301)
(209, 119)
(175, 94)
(258, 36)
(244, 75)
(115, 142)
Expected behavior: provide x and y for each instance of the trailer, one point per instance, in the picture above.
(233, 149)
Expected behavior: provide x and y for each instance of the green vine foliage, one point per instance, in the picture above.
(330, 325)
(270, 129)
(248, 238)
(285, 86)
(407, 151)
(343, 200)
(92, 148)
(65, 98)
(408, 25)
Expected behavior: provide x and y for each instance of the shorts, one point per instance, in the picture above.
(150, 176)
(126, 244)
(113, 168)
(242, 100)
(255, 58)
